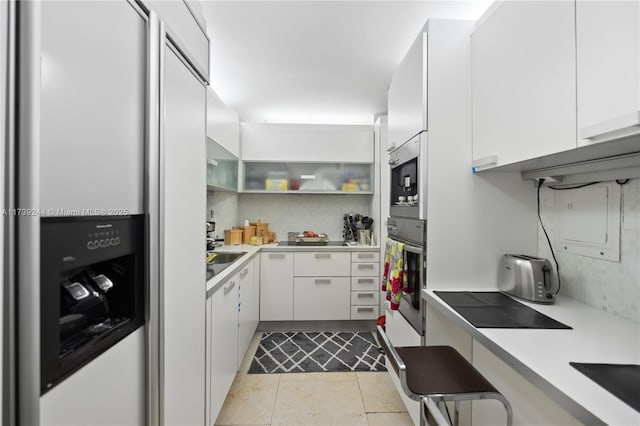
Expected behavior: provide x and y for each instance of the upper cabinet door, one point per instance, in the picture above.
(407, 98)
(608, 59)
(344, 143)
(223, 125)
(524, 81)
(186, 32)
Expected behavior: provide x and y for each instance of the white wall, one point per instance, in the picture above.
(298, 212)
(610, 286)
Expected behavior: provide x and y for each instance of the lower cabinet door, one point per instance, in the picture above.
(224, 343)
(321, 298)
(207, 368)
(246, 299)
(276, 286)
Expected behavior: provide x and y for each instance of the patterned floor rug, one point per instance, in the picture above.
(317, 352)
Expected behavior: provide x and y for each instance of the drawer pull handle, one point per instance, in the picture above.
(365, 266)
(229, 287)
(244, 273)
(364, 309)
(276, 255)
(322, 281)
(365, 294)
(365, 255)
(323, 255)
(365, 280)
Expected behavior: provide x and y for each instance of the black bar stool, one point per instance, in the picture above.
(436, 374)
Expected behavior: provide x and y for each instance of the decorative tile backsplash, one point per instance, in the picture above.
(225, 207)
(293, 212)
(611, 286)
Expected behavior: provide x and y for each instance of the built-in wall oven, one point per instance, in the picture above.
(411, 232)
(408, 181)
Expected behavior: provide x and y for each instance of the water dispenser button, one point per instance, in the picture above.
(103, 282)
(76, 290)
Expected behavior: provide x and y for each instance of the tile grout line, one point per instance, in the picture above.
(273, 407)
(364, 406)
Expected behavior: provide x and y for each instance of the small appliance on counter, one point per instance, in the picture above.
(528, 277)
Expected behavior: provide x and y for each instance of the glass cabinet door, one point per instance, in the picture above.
(222, 168)
(332, 178)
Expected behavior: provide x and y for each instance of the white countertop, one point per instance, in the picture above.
(218, 280)
(542, 356)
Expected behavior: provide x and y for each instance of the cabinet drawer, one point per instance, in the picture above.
(369, 269)
(364, 312)
(321, 298)
(367, 256)
(322, 264)
(365, 284)
(359, 298)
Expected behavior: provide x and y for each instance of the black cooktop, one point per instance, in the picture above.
(622, 380)
(492, 309)
(311, 244)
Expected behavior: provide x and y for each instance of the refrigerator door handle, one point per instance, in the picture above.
(153, 209)
(26, 240)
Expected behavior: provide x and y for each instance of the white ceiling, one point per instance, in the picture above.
(315, 61)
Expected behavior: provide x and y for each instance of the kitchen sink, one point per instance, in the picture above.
(226, 257)
(221, 261)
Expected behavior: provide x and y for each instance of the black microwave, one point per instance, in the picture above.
(92, 289)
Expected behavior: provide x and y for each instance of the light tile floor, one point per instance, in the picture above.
(344, 399)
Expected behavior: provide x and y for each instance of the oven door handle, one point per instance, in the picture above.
(413, 249)
(410, 248)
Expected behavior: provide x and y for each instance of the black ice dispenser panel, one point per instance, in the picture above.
(92, 288)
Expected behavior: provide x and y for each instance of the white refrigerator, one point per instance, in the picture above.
(110, 115)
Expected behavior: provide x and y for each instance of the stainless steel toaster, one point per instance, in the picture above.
(528, 277)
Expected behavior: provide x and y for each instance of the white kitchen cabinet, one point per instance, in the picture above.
(276, 286)
(321, 298)
(256, 294)
(186, 32)
(182, 273)
(247, 289)
(523, 82)
(222, 168)
(365, 256)
(364, 298)
(307, 142)
(608, 69)
(305, 178)
(322, 264)
(408, 98)
(223, 344)
(365, 285)
(223, 124)
(365, 269)
(321, 286)
(208, 379)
